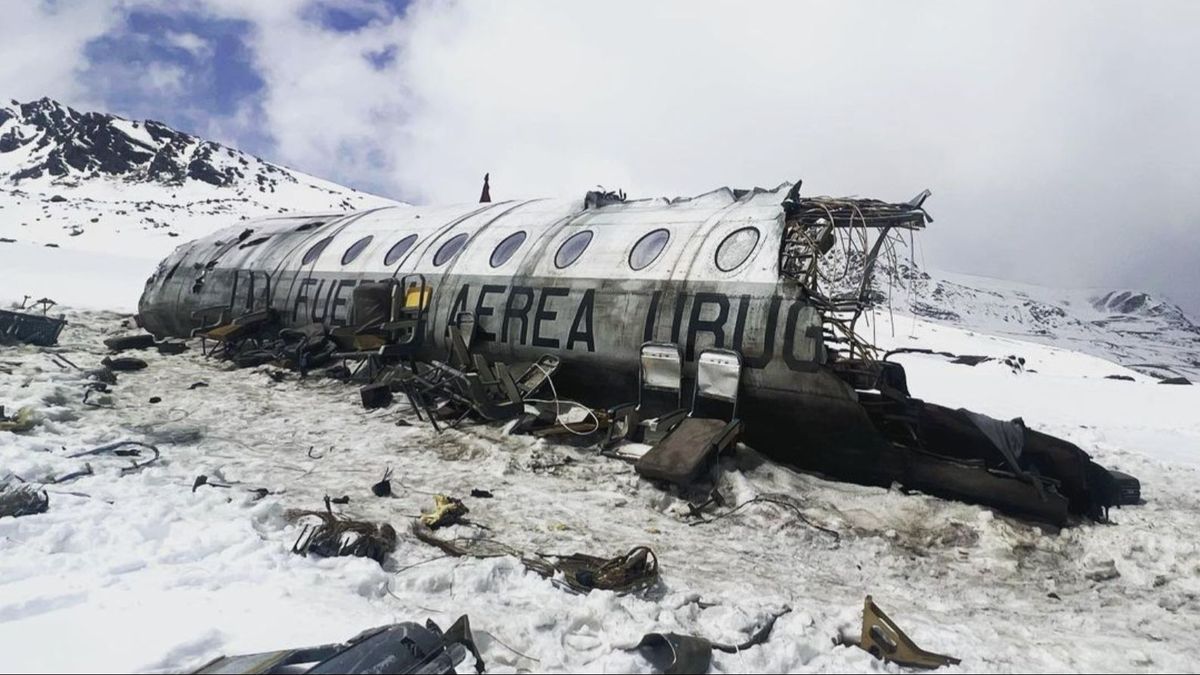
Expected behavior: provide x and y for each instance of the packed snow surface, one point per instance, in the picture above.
(137, 572)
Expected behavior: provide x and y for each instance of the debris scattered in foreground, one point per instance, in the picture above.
(884, 640)
(339, 536)
(399, 648)
(22, 500)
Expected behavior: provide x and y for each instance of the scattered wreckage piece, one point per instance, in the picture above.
(22, 500)
(675, 654)
(548, 422)
(337, 536)
(124, 363)
(465, 384)
(672, 653)
(171, 347)
(397, 648)
(23, 420)
(376, 395)
(695, 510)
(1127, 489)
(883, 639)
(102, 401)
(634, 571)
(384, 487)
(537, 375)
(122, 343)
(133, 449)
(446, 511)
(227, 332)
(31, 329)
(102, 375)
(203, 480)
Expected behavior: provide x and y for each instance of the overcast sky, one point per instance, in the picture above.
(1061, 140)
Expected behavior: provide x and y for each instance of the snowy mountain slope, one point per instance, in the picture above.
(141, 573)
(97, 182)
(1133, 328)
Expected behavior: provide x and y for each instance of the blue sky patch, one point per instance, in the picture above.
(349, 17)
(183, 69)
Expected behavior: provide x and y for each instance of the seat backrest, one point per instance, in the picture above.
(371, 303)
(660, 378)
(718, 379)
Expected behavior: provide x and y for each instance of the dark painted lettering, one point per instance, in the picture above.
(651, 317)
(768, 342)
(316, 302)
(677, 321)
(482, 310)
(249, 290)
(233, 291)
(580, 332)
(542, 314)
(716, 326)
(789, 340)
(460, 304)
(511, 312)
(340, 301)
(301, 298)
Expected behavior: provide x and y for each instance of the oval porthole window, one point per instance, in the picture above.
(736, 248)
(648, 249)
(452, 246)
(572, 248)
(399, 249)
(506, 248)
(355, 249)
(315, 251)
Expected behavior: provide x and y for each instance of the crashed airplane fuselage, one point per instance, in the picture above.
(590, 281)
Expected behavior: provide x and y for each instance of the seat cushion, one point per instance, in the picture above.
(684, 453)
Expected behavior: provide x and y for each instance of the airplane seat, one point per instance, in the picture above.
(659, 407)
(710, 428)
(219, 325)
(370, 309)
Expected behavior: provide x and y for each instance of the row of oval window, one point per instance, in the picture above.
(734, 250)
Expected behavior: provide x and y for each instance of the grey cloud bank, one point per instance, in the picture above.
(1061, 140)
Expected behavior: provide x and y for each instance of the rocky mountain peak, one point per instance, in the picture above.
(47, 140)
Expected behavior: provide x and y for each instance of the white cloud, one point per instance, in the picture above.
(41, 47)
(1045, 131)
(1062, 141)
(189, 42)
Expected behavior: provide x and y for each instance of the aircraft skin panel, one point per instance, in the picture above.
(593, 313)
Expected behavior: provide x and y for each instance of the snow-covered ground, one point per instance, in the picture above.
(137, 572)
